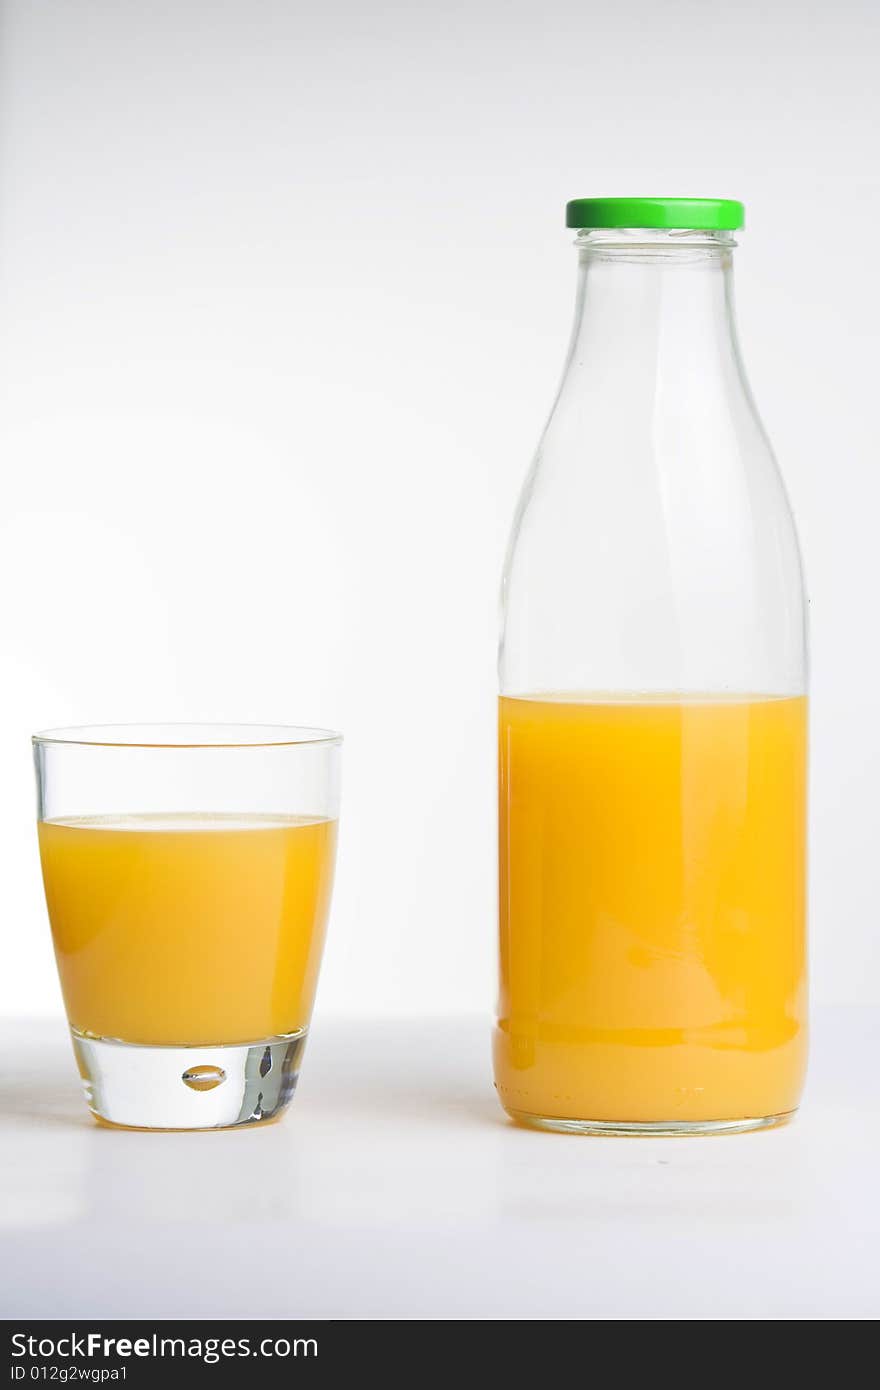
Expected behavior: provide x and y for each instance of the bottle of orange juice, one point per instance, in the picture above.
(653, 717)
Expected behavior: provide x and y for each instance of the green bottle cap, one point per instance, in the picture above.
(697, 214)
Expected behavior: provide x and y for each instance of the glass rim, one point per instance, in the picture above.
(210, 736)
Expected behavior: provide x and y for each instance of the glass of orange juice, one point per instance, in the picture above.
(188, 872)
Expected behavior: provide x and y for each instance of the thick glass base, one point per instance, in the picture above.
(140, 1087)
(649, 1129)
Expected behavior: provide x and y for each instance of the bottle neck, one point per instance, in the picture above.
(655, 302)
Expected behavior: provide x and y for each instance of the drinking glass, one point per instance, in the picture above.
(188, 872)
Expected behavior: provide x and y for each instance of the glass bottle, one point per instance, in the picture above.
(652, 722)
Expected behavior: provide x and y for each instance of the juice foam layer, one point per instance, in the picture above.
(183, 821)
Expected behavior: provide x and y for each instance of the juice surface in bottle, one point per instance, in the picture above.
(653, 713)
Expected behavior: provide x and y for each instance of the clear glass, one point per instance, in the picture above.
(188, 871)
(652, 734)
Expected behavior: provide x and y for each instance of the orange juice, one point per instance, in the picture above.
(652, 865)
(188, 929)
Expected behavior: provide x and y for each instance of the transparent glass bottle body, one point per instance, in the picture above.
(652, 672)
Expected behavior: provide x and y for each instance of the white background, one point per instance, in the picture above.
(284, 292)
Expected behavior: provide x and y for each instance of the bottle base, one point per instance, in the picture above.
(649, 1129)
(135, 1086)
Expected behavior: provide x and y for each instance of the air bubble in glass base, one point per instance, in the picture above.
(141, 1087)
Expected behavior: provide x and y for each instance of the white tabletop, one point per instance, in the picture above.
(395, 1187)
